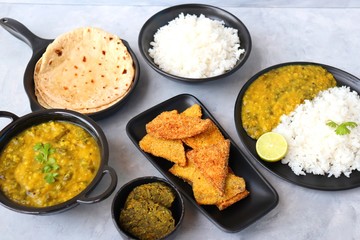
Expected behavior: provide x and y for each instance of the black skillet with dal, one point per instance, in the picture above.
(19, 124)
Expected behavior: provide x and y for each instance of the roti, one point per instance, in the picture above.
(85, 70)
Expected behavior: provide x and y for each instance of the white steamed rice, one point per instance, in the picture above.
(195, 47)
(314, 147)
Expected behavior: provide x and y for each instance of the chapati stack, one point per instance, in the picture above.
(85, 70)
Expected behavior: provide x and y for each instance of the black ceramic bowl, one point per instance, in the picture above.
(319, 182)
(38, 46)
(162, 18)
(177, 207)
(20, 124)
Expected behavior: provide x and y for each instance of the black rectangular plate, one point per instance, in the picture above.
(262, 197)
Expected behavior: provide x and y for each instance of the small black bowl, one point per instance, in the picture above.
(162, 18)
(177, 207)
(38, 46)
(20, 124)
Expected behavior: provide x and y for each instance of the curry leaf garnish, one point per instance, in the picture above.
(43, 157)
(343, 128)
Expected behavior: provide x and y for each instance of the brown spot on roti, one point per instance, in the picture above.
(58, 52)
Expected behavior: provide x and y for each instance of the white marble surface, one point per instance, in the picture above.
(326, 35)
(228, 3)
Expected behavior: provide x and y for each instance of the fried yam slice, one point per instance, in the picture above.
(212, 162)
(211, 136)
(172, 125)
(205, 193)
(171, 150)
(235, 190)
(188, 173)
(193, 111)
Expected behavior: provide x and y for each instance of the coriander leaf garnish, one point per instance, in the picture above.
(332, 124)
(343, 128)
(50, 177)
(50, 165)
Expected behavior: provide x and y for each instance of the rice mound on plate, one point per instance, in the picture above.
(195, 47)
(314, 147)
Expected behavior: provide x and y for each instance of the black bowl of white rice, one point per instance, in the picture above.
(194, 43)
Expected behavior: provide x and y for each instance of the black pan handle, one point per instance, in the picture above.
(8, 115)
(21, 32)
(5, 114)
(109, 190)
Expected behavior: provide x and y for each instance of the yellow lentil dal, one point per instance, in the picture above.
(22, 177)
(278, 92)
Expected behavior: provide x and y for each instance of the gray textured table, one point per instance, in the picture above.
(280, 34)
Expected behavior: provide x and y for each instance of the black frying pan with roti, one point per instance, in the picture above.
(38, 46)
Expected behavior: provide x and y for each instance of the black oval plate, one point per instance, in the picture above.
(320, 182)
(162, 18)
(263, 196)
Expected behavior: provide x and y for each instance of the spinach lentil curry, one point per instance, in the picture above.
(62, 149)
(278, 92)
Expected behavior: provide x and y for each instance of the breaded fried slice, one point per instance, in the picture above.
(172, 125)
(172, 150)
(212, 162)
(235, 189)
(205, 193)
(211, 136)
(193, 111)
(188, 173)
(234, 192)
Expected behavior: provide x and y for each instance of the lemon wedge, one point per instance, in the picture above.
(271, 146)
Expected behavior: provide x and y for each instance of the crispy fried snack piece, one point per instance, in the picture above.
(205, 193)
(172, 125)
(193, 111)
(188, 173)
(172, 150)
(212, 162)
(235, 190)
(211, 136)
